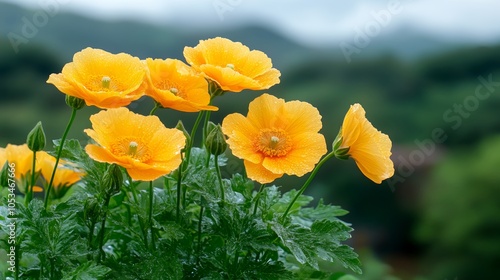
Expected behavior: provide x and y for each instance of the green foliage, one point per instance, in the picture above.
(460, 214)
(95, 233)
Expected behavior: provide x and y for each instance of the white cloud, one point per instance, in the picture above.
(313, 22)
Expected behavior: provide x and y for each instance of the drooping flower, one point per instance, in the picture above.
(232, 65)
(22, 159)
(175, 85)
(276, 138)
(102, 79)
(140, 144)
(370, 148)
(66, 174)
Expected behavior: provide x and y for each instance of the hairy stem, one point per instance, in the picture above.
(103, 227)
(150, 222)
(306, 184)
(29, 190)
(257, 198)
(59, 151)
(219, 177)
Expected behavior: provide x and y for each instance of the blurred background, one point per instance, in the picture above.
(426, 72)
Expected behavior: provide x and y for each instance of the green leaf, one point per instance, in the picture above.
(242, 185)
(88, 271)
(322, 240)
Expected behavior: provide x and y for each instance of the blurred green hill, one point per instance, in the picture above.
(405, 98)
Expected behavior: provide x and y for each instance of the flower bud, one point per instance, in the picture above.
(214, 89)
(215, 141)
(91, 209)
(339, 151)
(36, 138)
(180, 126)
(112, 179)
(75, 102)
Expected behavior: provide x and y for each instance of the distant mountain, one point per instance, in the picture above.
(67, 33)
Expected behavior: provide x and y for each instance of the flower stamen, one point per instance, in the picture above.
(273, 142)
(105, 81)
(132, 148)
(229, 65)
(174, 90)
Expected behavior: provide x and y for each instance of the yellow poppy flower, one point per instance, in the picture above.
(175, 85)
(232, 65)
(140, 144)
(66, 174)
(22, 157)
(102, 79)
(370, 148)
(276, 138)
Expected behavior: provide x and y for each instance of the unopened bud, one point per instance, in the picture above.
(180, 126)
(339, 151)
(36, 138)
(214, 89)
(215, 141)
(75, 102)
(90, 209)
(112, 179)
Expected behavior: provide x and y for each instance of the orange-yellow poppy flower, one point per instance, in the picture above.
(175, 85)
(370, 148)
(232, 65)
(22, 158)
(102, 79)
(66, 174)
(276, 138)
(140, 144)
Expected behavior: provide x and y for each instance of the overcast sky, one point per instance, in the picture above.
(314, 22)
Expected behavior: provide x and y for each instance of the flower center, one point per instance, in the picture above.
(229, 65)
(174, 90)
(273, 142)
(105, 81)
(132, 148)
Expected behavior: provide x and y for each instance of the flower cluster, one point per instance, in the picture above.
(275, 138)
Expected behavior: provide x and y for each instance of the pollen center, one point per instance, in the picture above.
(131, 148)
(273, 142)
(105, 81)
(174, 90)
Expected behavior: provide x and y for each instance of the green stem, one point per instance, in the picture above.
(151, 196)
(257, 197)
(103, 227)
(191, 142)
(16, 263)
(178, 206)
(157, 105)
(219, 177)
(29, 190)
(59, 151)
(199, 231)
(207, 162)
(205, 124)
(52, 268)
(91, 233)
(141, 223)
(306, 184)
